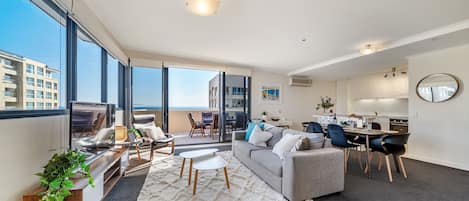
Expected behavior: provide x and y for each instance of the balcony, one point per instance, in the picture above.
(180, 126)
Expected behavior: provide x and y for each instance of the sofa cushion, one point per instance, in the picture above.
(259, 137)
(244, 148)
(276, 135)
(268, 160)
(250, 128)
(316, 140)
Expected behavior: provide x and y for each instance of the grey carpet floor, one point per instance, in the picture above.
(426, 182)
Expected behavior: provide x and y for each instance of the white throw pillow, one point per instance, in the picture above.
(259, 137)
(285, 144)
(154, 132)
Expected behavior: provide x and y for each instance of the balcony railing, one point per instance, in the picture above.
(10, 94)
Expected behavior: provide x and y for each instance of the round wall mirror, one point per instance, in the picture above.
(437, 88)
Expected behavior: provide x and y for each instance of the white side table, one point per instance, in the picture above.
(193, 155)
(210, 163)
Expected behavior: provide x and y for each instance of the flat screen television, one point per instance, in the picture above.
(91, 127)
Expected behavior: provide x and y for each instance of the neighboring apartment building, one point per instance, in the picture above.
(27, 84)
(234, 94)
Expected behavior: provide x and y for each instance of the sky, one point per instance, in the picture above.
(27, 31)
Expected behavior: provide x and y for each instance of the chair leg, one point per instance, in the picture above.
(402, 167)
(190, 132)
(137, 147)
(359, 158)
(173, 143)
(195, 182)
(388, 166)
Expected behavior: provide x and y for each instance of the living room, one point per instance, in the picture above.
(203, 99)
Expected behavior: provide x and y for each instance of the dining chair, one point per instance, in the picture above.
(314, 127)
(391, 145)
(195, 125)
(207, 118)
(214, 126)
(305, 125)
(339, 139)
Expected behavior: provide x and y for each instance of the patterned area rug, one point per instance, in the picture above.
(163, 183)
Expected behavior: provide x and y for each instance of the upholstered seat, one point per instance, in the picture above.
(268, 160)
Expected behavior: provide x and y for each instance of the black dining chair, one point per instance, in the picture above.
(314, 127)
(391, 145)
(338, 138)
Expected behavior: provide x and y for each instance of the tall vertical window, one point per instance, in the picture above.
(112, 80)
(40, 105)
(48, 95)
(88, 69)
(49, 85)
(32, 40)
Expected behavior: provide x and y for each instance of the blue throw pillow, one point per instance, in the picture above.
(251, 127)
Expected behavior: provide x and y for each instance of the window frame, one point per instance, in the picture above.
(27, 112)
(70, 88)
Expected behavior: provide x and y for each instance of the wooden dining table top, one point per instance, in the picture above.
(366, 131)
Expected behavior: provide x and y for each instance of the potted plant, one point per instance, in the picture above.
(57, 173)
(264, 115)
(326, 103)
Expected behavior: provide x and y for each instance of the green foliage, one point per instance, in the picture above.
(135, 131)
(56, 175)
(326, 103)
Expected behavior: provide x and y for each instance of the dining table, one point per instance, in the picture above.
(367, 134)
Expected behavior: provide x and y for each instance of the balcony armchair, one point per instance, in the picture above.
(195, 125)
(147, 141)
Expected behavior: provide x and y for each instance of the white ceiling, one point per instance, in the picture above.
(267, 34)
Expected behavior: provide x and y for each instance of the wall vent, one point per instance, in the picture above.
(300, 81)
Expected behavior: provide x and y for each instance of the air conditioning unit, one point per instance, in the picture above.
(300, 81)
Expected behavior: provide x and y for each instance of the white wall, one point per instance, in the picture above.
(373, 93)
(26, 146)
(440, 131)
(298, 103)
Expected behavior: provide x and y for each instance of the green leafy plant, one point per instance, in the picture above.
(57, 173)
(326, 103)
(264, 113)
(135, 131)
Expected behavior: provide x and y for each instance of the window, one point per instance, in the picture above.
(88, 69)
(30, 68)
(7, 62)
(40, 94)
(10, 92)
(29, 105)
(40, 71)
(29, 93)
(55, 96)
(40, 105)
(112, 80)
(38, 37)
(7, 78)
(48, 73)
(49, 85)
(48, 105)
(30, 81)
(40, 83)
(55, 86)
(48, 95)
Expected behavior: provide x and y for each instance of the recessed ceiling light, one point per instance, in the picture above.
(304, 40)
(368, 49)
(203, 7)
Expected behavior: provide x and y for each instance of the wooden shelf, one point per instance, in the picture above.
(107, 166)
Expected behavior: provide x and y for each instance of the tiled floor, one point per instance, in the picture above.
(182, 138)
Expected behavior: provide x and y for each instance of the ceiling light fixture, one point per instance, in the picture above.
(369, 49)
(203, 7)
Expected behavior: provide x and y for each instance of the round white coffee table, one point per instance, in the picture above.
(209, 163)
(192, 155)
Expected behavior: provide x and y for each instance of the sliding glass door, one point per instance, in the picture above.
(147, 93)
(195, 106)
(235, 104)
